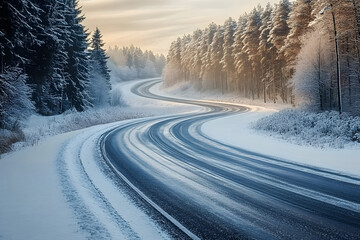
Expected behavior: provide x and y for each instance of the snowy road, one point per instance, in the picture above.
(214, 191)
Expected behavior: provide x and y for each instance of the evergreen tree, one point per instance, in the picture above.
(251, 42)
(265, 50)
(299, 19)
(99, 73)
(227, 59)
(18, 22)
(277, 36)
(76, 93)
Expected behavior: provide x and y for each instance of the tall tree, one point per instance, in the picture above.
(18, 22)
(298, 22)
(77, 72)
(99, 72)
(227, 59)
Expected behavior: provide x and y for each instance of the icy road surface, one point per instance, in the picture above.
(210, 190)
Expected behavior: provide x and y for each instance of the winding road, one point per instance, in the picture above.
(210, 190)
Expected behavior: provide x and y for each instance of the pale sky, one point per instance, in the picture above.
(154, 24)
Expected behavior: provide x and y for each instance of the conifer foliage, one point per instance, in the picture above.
(304, 52)
(99, 72)
(45, 63)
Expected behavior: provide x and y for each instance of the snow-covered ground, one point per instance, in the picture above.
(58, 189)
(52, 190)
(237, 130)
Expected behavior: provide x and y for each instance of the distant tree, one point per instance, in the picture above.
(99, 73)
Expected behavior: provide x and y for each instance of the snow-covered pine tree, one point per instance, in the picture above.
(207, 73)
(77, 72)
(265, 50)
(99, 73)
(227, 60)
(277, 36)
(46, 68)
(251, 42)
(216, 54)
(185, 56)
(241, 59)
(18, 22)
(298, 22)
(195, 57)
(15, 104)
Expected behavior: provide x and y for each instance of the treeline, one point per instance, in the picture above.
(128, 63)
(287, 52)
(47, 63)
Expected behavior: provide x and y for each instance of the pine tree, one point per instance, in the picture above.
(265, 50)
(251, 42)
(241, 59)
(99, 73)
(216, 54)
(227, 59)
(46, 68)
(299, 19)
(278, 34)
(77, 73)
(18, 22)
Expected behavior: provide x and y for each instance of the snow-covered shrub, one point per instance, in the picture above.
(318, 129)
(72, 120)
(8, 138)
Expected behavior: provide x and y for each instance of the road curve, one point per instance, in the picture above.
(214, 191)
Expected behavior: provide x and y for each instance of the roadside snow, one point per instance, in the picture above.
(32, 205)
(236, 130)
(56, 188)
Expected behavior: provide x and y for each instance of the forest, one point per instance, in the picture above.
(49, 63)
(305, 52)
(129, 63)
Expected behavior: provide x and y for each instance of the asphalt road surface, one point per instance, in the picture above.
(210, 190)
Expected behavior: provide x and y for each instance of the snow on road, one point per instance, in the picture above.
(236, 130)
(57, 189)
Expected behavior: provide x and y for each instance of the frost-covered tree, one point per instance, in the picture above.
(265, 47)
(99, 73)
(298, 22)
(227, 60)
(241, 59)
(46, 70)
(311, 81)
(76, 93)
(216, 54)
(278, 33)
(19, 20)
(207, 73)
(15, 104)
(251, 42)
